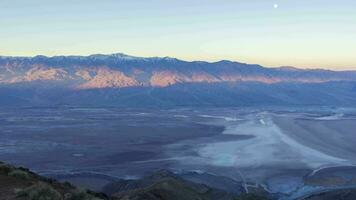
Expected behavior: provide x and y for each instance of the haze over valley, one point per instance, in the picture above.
(287, 152)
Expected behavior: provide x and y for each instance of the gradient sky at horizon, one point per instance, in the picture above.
(302, 33)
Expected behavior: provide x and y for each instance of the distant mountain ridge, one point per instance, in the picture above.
(120, 70)
(119, 79)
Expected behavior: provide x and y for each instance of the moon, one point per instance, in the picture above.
(275, 6)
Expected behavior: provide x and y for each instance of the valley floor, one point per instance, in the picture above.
(288, 153)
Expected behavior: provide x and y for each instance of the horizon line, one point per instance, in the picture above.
(179, 59)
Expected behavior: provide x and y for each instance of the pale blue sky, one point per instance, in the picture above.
(304, 33)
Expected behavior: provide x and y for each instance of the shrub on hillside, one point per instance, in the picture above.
(251, 197)
(79, 195)
(19, 174)
(5, 169)
(39, 191)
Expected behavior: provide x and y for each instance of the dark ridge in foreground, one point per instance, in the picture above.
(22, 184)
(347, 194)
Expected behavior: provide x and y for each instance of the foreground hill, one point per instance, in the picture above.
(22, 184)
(345, 194)
(122, 80)
(166, 185)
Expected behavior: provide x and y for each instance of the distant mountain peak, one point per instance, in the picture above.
(224, 61)
(119, 56)
(289, 68)
(228, 62)
(125, 56)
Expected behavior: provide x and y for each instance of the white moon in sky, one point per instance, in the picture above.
(275, 5)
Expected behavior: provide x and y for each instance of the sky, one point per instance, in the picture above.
(301, 33)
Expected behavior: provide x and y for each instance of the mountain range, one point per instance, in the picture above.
(123, 80)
